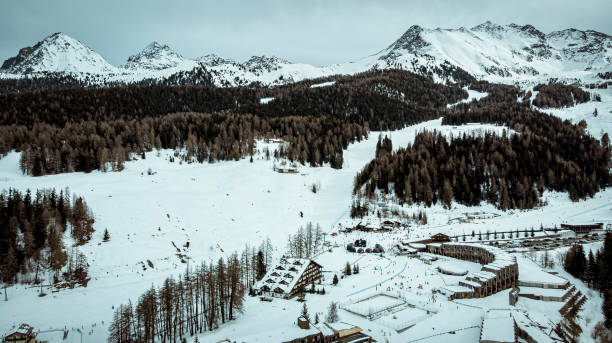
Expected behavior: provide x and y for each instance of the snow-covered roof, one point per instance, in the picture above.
(284, 275)
(498, 327)
(449, 290)
(533, 329)
(471, 283)
(281, 334)
(325, 329)
(529, 272)
(340, 326)
(451, 269)
(546, 292)
(482, 276)
(24, 329)
(502, 258)
(500, 261)
(405, 249)
(417, 245)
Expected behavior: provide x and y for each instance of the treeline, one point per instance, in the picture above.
(355, 105)
(199, 300)
(558, 95)
(51, 81)
(510, 172)
(106, 145)
(395, 83)
(353, 98)
(32, 228)
(65, 106)
(384, 100)
(48, 81)
(595, 270)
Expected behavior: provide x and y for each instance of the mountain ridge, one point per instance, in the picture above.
(502, 53)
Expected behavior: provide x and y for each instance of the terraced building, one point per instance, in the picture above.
(499, 271)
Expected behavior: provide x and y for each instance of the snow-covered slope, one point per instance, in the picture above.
(500, 53)
(156, 57)
(192, 202)
(57, 53)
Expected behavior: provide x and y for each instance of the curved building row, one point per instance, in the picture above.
(499, 270)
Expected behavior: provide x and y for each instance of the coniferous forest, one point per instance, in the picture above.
(83, 129)
(594, 270)
(33, 231)
(199, 300)
(558, 95)
(511, 171)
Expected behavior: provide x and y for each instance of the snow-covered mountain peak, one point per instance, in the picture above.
(267, 63)
(212, 60)
(154, 56)
(410, 41)
(57, 53)
(488, 26)
(528, 31)
(500, 53)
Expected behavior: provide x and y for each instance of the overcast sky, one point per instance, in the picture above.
(316, 32)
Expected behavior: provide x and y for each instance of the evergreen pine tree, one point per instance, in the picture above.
(304, 312)
(332, 313)
(347, 269)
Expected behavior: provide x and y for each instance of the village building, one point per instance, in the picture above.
(307, 332)
(417, 246)
(440, 237)
(288, 278)
(23, 334)
(499, 271)
(582, 229)
(347, 333)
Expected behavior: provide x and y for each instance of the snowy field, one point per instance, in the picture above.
(218, 208)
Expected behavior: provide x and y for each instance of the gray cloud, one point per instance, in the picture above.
(317, 32)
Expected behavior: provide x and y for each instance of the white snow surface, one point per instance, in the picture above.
(323, 84)
(220, 207)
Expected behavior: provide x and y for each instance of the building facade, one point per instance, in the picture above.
(289, 277)
(499, 271)
(582, 229)
(23, 334)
